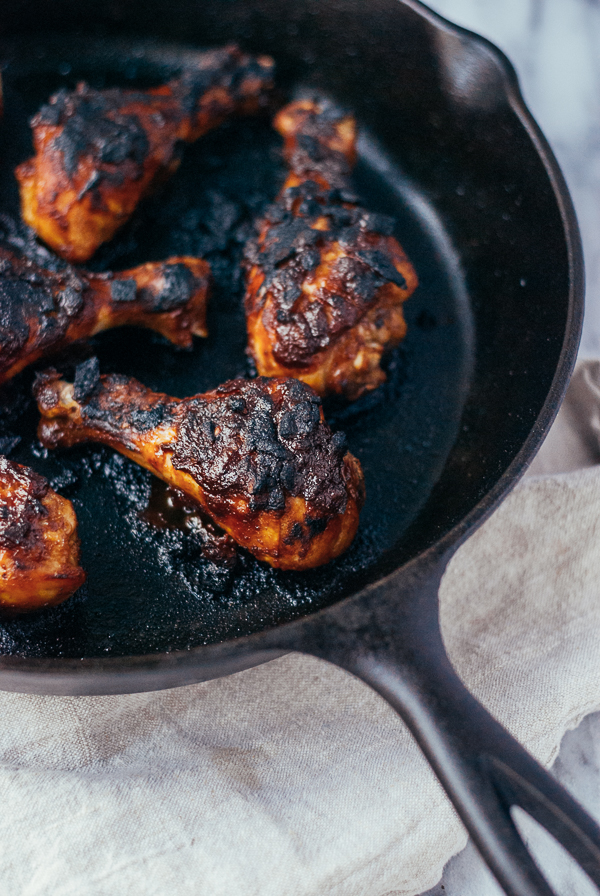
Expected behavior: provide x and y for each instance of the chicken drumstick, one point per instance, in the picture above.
(325, 279)
(98, 152)
(42, 312)
(256, 455)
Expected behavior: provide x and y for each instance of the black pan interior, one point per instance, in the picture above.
(150, 589)
(447, 155)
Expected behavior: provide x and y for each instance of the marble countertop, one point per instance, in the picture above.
(555, 48)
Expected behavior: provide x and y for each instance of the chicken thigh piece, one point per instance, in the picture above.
(98, 152)
(39, 547)
(42, 312)
(256, 455)
(325, 279)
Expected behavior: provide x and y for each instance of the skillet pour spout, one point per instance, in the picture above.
(493, 331)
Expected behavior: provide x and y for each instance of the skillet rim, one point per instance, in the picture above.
(112, 675)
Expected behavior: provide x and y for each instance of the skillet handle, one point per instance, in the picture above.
(393, 643)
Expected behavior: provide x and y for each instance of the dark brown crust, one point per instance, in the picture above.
(98, 152)
(42, 311)
(321, 265)
(256, 455)
(263, 440)
(303, 323)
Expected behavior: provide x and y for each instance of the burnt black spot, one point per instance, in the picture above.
(377, 223)
(95, 127)
(52, 112)
(49, 114)
(45, 301)
(237, 405)
(287, 425)
(309, 208)
(339, 442)
(274, 213)
(313, 154)
(127, 140)
(278, 447)
(306, 417)
(381, 263)
(309, 259)
(289, 293)
(316, 525)
(16, 298)
(87, 377)
(307, 236)
(343, 217)
(144, 419)
(123, 290)
(349, 237)
(71, 300)
(193, 84)
(288, 477)
(210, 427)
(176, 288)
(115, 409)
(224, 67)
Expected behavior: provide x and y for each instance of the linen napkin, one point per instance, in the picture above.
(293, 778)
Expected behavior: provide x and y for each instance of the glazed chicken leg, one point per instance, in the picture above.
(98, 152)
(39, 547)
(41, 312)
(326, 279)
(256, 455)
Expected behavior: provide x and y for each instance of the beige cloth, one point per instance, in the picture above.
(294, 779)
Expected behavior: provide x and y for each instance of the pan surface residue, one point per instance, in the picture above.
(150, 589)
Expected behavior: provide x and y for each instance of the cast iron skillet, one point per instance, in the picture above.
(493, 331)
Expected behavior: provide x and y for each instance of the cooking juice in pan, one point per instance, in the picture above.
(154, 587)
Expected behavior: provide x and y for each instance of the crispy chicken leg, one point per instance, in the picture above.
(325, 279)
(256, 455)
(98, 152)
(39, 547)
(42, 312)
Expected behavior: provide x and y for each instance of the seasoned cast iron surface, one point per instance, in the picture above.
(149, 588)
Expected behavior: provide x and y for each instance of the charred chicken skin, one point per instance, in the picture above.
(98, 152)
(325, 279)
(39, 547)
(41, 312)
(256, 455)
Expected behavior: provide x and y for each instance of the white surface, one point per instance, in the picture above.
(555, 47)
